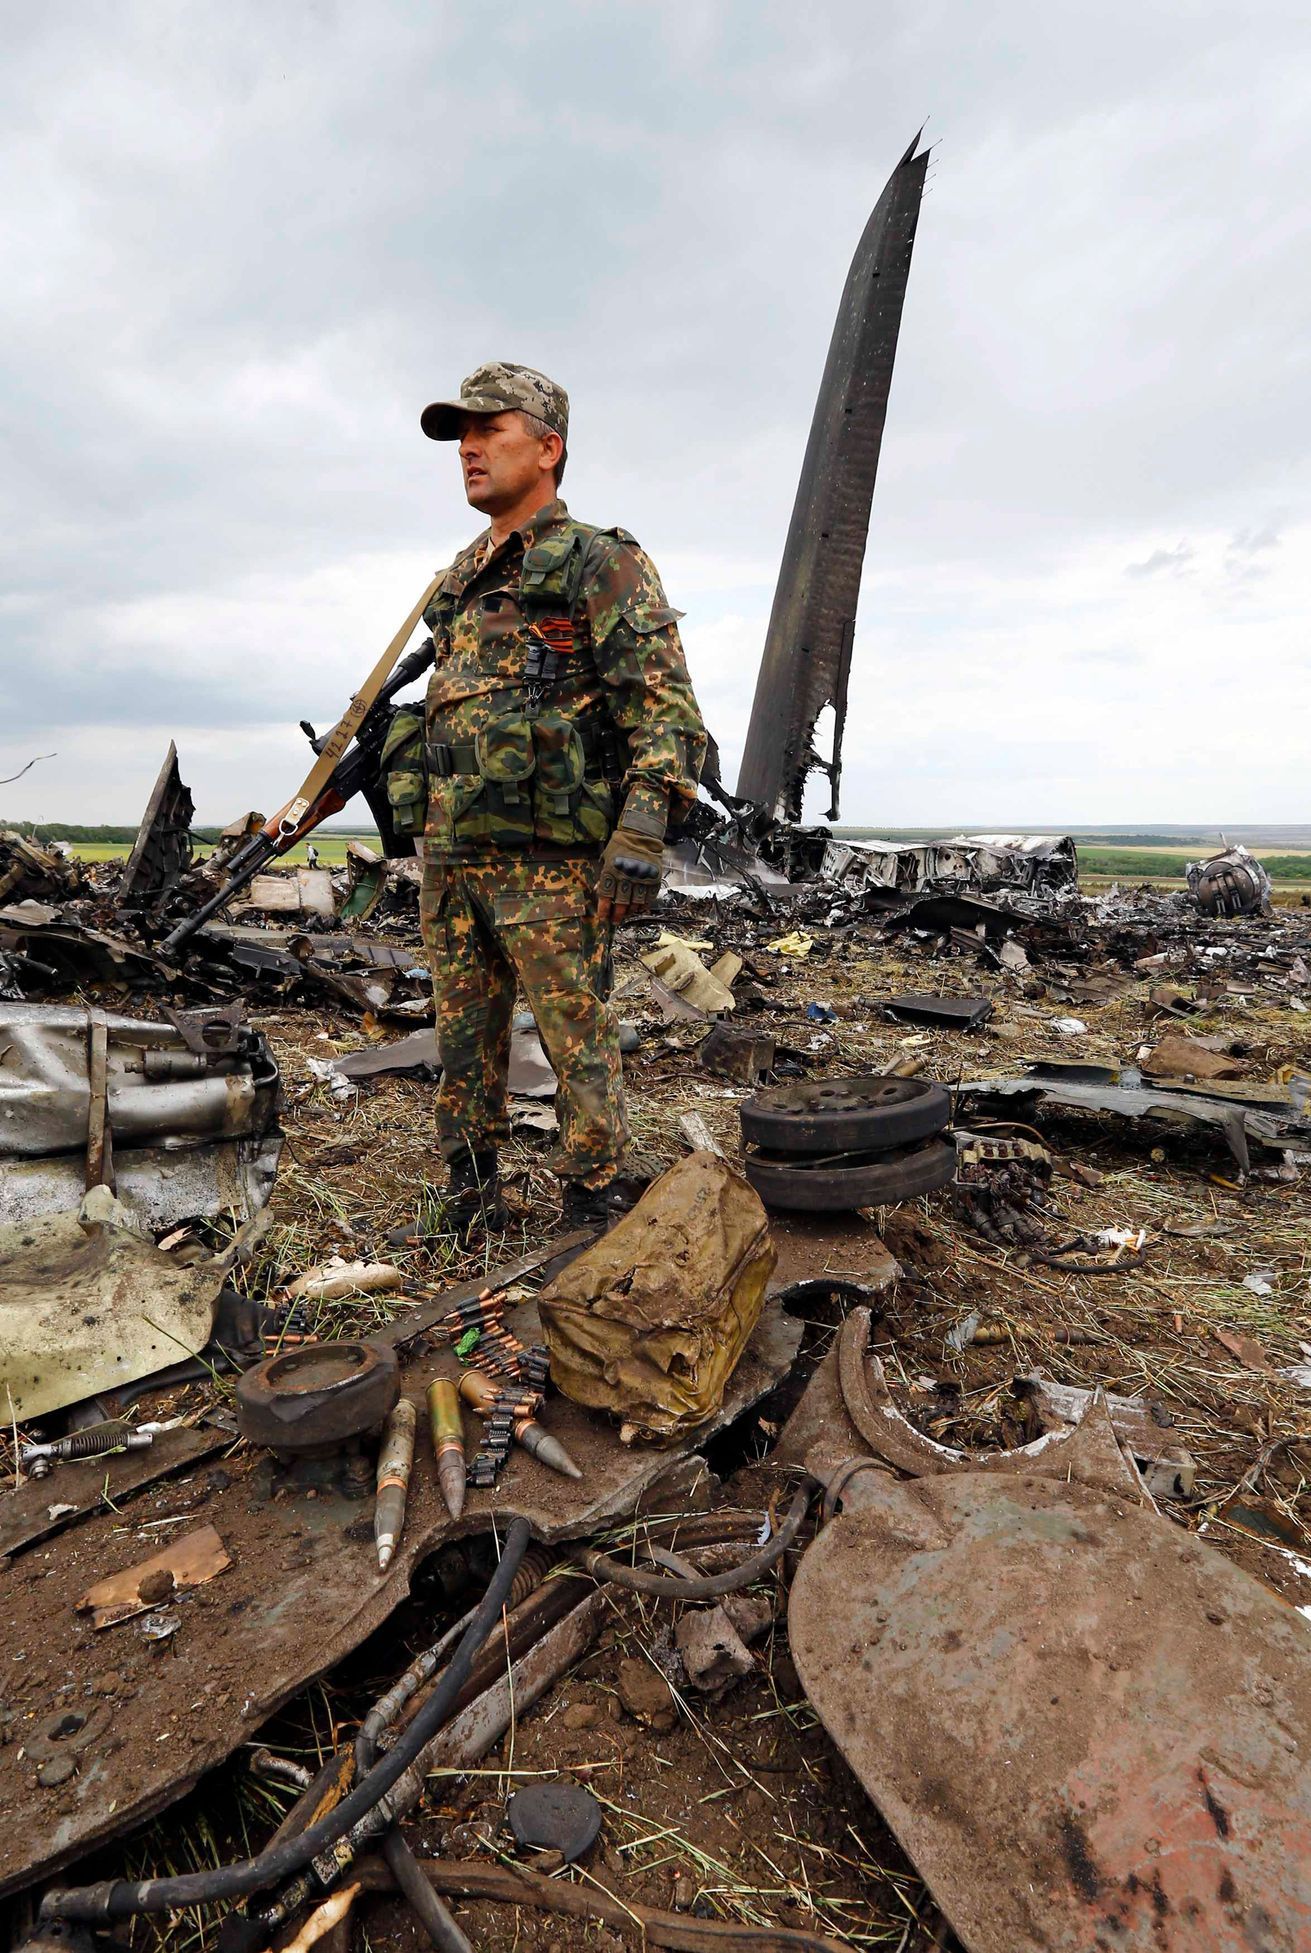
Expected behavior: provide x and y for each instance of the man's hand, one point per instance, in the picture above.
(630, 874)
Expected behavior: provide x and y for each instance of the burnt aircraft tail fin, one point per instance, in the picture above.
(807, 656)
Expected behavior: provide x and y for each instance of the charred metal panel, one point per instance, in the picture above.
(807, 656)
(161, 853)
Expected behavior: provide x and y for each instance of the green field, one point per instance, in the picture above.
(1153, 864)
(1127, 864)
(331, 847)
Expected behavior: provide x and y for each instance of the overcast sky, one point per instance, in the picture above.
(244, 244)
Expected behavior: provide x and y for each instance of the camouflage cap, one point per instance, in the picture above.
(499, 387)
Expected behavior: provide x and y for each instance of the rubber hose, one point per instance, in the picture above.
(663, 1586)
(120, 1899)
(421, 1898)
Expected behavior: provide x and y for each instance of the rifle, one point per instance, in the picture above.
(335, 777)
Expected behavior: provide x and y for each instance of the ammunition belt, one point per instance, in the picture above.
(520, 1371)
(512, 1406)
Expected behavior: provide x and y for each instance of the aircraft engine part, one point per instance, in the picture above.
(841, 1115)
(847, 1181)
(311, 1401)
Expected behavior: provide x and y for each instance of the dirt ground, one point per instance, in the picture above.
(739, 1808)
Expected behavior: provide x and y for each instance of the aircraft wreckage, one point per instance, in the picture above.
(569, 1394)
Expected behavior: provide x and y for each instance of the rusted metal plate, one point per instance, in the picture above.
(844, 1253)
(84, 1485)
(1087, 1728)
(302, 1591)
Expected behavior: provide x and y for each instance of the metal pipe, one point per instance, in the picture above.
(663, 1586)
(421, 1897)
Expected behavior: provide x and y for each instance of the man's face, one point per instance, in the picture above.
(503, 461)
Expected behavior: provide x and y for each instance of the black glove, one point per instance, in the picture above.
(630, 873)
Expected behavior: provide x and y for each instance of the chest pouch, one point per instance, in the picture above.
(570, 809)
(403, 773)
(552, 573)
(501, 811)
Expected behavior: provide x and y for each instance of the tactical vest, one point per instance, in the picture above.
(531, 776)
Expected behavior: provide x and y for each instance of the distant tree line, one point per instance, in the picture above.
(66, 831)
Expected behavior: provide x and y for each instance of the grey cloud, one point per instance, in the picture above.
(1174, 561)
(1254, 542)
(1107, 654)
(1248, 551)
(244, 244)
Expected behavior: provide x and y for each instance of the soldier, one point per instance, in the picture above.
(560, 738)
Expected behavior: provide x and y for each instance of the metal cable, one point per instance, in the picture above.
(664, 1586)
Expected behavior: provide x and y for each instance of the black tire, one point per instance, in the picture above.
(789, 1183)
(845, 1115)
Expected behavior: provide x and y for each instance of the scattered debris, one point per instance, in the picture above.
(747, 1057)
(31, 874)
(696, 1135)
(187, 1113)
(796, 943)
(682, 973)
(1190, 1058)
(1248, 1351)
(1048, 862)
(1097, 1088)
(1143, 1429)
(337, 1278)
(162, 851)
(89, 1303)
(184, 1563)
(713, 1653)
(305, 891)
(1230, 883)
(953, 1013)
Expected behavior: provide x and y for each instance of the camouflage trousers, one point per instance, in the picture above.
(523, 923)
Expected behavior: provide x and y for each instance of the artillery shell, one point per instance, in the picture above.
(478, 1391)
(544, 1448)
(394, 1461)
(447, 1428)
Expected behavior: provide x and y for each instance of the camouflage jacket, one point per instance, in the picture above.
(623, 681)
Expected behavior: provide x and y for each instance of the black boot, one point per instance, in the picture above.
(582, 1206)
(471, 1202)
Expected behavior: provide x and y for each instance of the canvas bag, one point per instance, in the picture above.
(649, 1322)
